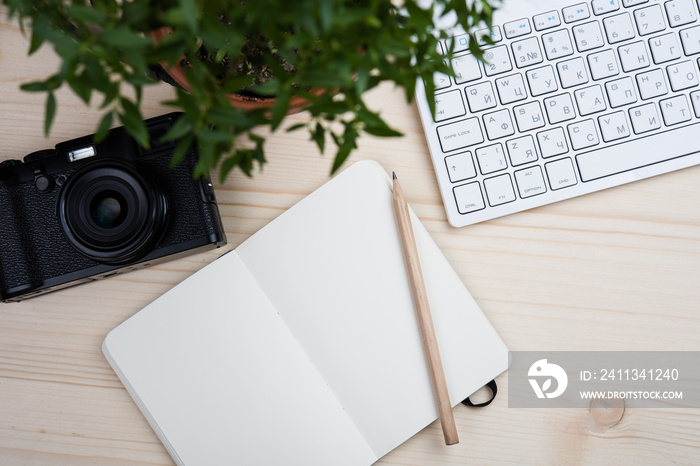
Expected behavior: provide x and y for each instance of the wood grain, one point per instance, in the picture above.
(614, 270)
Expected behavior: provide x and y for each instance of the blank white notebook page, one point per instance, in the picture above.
(333, 268)
(225, 382)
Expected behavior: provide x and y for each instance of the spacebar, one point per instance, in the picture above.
(638, 153)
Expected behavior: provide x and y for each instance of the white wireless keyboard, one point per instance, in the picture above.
(575, 98)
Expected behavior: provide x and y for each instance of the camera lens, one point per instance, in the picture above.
(111, 211)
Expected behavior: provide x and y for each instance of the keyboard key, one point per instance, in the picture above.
(649, 19)
(527, 52)
(460, 166)
(480, 96)
(449, 105)
(530, 182)
(552, 142)
(618, 28)
(517, 28)
(494, 34)
(497, 60)
(576, 12)
(675, 110)
(680, 12)
(664, 48)
(466, 68)
(529, 116)
(651, 84)
(590, 100)
(603, 64)
(559, 108)
(583, 134)
(546, 20)
(460, 134)
(588, 36)
(621, 92)
(491, 159)
(458, 43)
(629, 3)
(499, 190)
(600, 7)
(542, 80)
(557, 44)
(690, 38)
(521, 150)
(561, 173)
(682, 75)
(572, 72)
(614, 126)
(441, 80)
(498, 124)
(637, 153)
(645, 118)
(633, 56)
(469, 198)
(695, 98)
(511, 88)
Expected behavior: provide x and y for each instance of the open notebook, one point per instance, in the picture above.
(302, 345)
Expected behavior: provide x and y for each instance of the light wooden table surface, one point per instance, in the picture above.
(614, 270)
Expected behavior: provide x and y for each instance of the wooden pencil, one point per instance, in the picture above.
(427, 330)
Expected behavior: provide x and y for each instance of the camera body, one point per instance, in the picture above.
(85, 211)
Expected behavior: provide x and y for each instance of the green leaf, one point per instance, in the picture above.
(296, 127)
(226, 167)
(361, 80)
(134, 13)
(35, 86)
(40, 30)
(321, 78)
(189, 13)
(50, 113)
(86, 14)
(348, 143)
(81, 86)
(430, 93)
(213, 136)
(226, 116)
(104, 126)
(279, 110)
(186, 102)
(35, 43)
(382, 131)
(111, 93)
(326, 13)
(206, 156)
(181, 128)
(181, 149)
(133, 122)
(123, 38)
(268, 88)
(318, 135)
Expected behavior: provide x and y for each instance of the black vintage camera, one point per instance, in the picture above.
(87, 210)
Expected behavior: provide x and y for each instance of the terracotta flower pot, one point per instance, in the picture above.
(177, 73)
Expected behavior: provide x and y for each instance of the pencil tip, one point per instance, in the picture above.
(394, 174)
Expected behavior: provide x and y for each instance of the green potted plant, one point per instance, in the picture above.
(242, 66)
